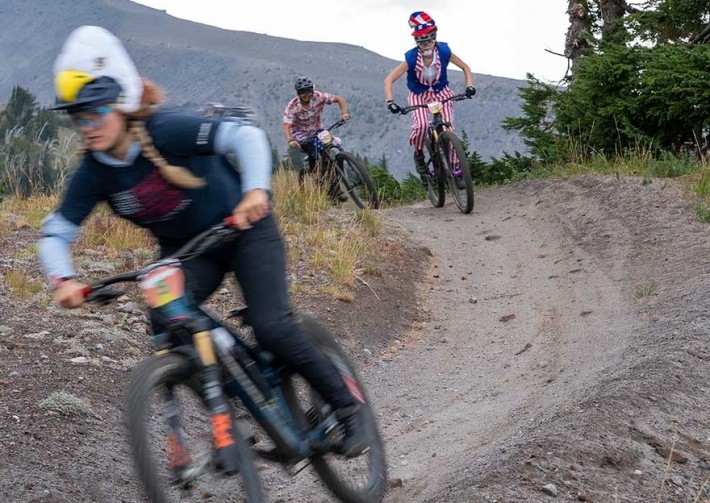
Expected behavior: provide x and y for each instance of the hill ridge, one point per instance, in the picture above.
(196, 63)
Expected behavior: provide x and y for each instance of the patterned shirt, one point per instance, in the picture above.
(305, 121)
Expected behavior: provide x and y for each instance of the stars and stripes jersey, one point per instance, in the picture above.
(416, 82)
(305, 121)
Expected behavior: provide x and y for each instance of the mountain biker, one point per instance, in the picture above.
(302, 120)
(427, 81)
(166, 172)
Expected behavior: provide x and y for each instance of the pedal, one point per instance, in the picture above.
(297, 467)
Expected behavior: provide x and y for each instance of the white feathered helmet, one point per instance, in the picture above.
(95, 69)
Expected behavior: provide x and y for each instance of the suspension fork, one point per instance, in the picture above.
(216, 401)
(433, 138)
(178, 454)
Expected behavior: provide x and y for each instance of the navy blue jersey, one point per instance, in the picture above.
(139, 193)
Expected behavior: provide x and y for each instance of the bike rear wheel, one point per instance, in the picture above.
(436, 183)
(457, 171)
(353, 480)
(356, 182)
(157, 455)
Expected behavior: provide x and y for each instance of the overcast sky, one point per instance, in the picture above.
(506, 38)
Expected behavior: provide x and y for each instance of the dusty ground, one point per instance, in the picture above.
(553, 342)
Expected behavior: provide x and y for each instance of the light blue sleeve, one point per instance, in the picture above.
(250, 146)
(58, 234)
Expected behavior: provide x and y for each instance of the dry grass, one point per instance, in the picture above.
(21, 285)
(5, 227)
(107, 232)
(336, 243)
(25, 212)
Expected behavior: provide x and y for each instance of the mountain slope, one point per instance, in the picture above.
(195, 63)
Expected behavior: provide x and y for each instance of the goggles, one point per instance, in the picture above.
(426, 44)
(91, 119)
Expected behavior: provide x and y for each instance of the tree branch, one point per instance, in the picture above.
(555, 53)
(703, 37)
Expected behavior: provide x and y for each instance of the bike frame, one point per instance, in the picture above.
(252, 376)
(326, 144)
(436, 127)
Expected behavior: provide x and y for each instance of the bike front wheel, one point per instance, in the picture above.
(356, 181)
(353, 480)
(457, 171)
(171, 439)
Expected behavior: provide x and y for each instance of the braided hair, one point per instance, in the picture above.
(176, 175)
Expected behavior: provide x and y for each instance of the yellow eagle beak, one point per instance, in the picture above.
(68, 83)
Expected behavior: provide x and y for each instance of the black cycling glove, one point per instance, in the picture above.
(470, 92)
(394, 107)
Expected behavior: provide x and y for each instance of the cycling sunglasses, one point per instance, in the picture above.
(91, 119)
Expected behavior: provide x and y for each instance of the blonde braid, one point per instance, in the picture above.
(176, 175)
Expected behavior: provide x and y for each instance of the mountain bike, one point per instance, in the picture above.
(332, 161)
(182, 405)
(447, 162)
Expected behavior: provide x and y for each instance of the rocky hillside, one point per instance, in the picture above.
(197, 63)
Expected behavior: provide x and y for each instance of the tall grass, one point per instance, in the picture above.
(31, 166)
(27, 211)
(633, 163)
(329, 241)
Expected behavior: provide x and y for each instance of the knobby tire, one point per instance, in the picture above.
(308, 407)
(356, 181)
(452, 150)
(173, 371)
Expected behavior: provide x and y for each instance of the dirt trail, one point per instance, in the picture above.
(558, 344)
(535, 314)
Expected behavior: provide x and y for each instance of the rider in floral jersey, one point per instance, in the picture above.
(302, 120)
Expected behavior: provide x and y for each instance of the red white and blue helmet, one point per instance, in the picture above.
(423, 25)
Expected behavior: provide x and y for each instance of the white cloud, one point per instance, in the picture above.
(503, 38)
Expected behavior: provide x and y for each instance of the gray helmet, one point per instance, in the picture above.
(102, 91)
(304, 85)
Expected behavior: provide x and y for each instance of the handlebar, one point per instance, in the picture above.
(457, 97)
(335, 125)
(98, 291)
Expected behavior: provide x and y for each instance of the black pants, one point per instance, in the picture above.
(257, 258)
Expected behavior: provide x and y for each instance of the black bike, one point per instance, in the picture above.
(447, 163)
(187, 441)
(350, 175)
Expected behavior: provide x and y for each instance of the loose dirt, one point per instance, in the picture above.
(550, 346)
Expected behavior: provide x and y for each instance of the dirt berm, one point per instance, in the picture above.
(551, 346)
